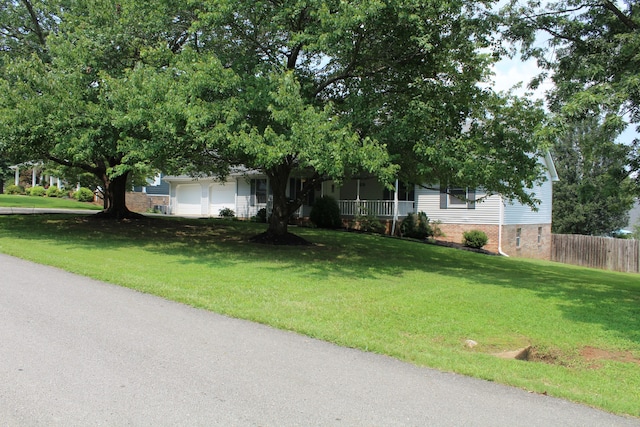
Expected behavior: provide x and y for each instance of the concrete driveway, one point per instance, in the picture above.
(77, 352)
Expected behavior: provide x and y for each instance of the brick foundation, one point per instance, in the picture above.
(143, 202)
(529, 245)
(453, 233)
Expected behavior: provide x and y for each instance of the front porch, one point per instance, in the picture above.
(377, 208)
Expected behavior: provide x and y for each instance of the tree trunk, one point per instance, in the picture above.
(280, 213)
(115, 190)
(278, 230)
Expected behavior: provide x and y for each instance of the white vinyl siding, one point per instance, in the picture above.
(486, 211)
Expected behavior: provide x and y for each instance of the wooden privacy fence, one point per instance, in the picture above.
(596, 252)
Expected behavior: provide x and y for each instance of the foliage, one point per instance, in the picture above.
(416, 226)
(84, 99)
(325, 213)
(340, 289)
(84, 194)
(330, 89)
(595, 193)
(368, 223)
(474, 238)
(261, 216)
(227, 213)
(591, 55)
(54, 191)
(14, 189)
(37, 191)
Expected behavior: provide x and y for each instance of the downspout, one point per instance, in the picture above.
(500, 223)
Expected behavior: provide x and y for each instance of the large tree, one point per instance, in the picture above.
(65, 72)
(596, 192)
(332, 88)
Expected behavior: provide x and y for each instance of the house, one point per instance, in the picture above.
(153, 197)
(513, 229)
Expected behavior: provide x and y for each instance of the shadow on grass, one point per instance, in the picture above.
(611, 300)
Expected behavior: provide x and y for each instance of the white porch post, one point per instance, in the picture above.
(395, 210)
(33, 177)
(358, 190)
(16, 178)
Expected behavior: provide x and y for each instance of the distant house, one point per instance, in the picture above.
(153, 197)
(513, 229)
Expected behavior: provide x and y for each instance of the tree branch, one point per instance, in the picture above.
(620, 15)
(36, 23)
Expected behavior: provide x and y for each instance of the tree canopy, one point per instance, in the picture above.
(596, 192)
(323, 89)
(333, 88)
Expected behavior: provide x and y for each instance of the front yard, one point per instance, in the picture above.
(416, 302)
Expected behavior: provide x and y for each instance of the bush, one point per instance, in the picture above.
(54, 191)
(369, 224)
(226, 213)
(14, 189)
(37, 191)
(83, 194)
(416, 226)
(326, 213)
(261, 216)
(474, 239)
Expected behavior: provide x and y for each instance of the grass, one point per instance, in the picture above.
(19, 201)
(414, 302)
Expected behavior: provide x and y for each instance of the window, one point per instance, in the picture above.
(518, 237)
(258, 191)
(457, 198)
(539, 235)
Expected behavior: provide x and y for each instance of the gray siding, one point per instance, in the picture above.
(486, 211)
(517, 213)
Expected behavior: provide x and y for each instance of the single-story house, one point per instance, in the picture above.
(513, 229)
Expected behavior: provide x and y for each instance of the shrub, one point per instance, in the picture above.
(14, 189)
(83, 194)
(226, 213)
(326, 213)
(54, 191)
(261, 216)
(416, 226)
(37, 191)
(369, 224)
(474, 238)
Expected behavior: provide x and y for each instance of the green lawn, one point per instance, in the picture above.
(17, 201)
(415, 302)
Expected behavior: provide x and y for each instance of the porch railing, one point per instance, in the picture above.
(378, 208)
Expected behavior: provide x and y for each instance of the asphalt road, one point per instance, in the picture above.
(77, 352)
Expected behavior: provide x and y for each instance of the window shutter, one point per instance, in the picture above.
(443, 198)
(471, 195)
(252, 198)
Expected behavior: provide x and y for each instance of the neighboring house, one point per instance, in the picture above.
(32, 174)
(154, 197)
(513, 229)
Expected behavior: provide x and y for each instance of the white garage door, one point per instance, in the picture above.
(188, 199)
(222, 196)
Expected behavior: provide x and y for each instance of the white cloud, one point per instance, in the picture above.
(510, 72)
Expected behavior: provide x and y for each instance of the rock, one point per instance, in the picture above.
(470, 343)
